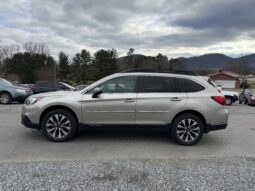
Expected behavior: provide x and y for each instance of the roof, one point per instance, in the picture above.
(228, 73)
(145, 70)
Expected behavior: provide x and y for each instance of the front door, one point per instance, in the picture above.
(115, 105)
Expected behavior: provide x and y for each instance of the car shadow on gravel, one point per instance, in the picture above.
(123, 134)
(141, 135)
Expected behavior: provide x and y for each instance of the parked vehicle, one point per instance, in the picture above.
(230, 96)
(244, 95)
(10, 92)
(251, 99)
(187, 105)
(16, 83)
(51, 86)
(80, 87)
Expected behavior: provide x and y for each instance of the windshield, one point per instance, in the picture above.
(5, 82)
(67, 85)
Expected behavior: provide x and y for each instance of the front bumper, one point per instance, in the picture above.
(28, 123)
(22, 97)
(210, 127)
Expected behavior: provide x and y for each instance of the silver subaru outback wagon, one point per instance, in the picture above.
(187, 105)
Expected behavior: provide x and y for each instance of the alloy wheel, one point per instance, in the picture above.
(4, 98)
(58, 126)
(188, 130)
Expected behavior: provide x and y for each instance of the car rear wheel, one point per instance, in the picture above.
(5, 98)
(59, 125)
(187, 129)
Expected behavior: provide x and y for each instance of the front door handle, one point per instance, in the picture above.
(175, 99)
(129, 100)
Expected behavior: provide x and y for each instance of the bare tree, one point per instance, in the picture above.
(36, 48)
(7, 52)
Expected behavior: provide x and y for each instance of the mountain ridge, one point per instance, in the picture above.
(212, 61)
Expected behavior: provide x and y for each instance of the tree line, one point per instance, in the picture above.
(30, 58)
(82, 68)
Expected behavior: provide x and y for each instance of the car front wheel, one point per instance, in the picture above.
(5, 98)
(187, 129)
(59, 125)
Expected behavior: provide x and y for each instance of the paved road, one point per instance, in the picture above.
(19, 144)
(109, 155)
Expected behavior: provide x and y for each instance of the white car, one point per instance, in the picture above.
(230, 96)
(186, 105)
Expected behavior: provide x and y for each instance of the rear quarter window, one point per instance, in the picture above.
(188, 85)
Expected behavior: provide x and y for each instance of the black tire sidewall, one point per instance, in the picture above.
(174, 128)
(9, 95)
(71, 118)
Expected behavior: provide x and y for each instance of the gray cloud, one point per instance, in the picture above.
(146, 25)
(219, 14)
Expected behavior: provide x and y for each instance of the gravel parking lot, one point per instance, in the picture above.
(127, 159)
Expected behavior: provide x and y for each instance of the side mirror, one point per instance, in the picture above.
(96, 92)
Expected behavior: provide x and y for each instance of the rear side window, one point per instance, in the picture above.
(189, 85)
(157, 84)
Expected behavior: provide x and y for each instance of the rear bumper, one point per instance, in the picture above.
(252, 102)
(210, 127)
(28, 123)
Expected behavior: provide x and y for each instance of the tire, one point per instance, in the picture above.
(5, 98)
(180, 124)
(52, 128)
(228, 101)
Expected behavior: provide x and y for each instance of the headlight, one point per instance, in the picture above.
(32, 100)
(21, 91)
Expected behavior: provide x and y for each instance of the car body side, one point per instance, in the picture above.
(212, 113)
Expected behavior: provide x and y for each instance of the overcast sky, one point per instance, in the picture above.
(172, 27)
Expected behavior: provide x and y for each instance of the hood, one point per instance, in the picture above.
(53, 94)
(18, 87)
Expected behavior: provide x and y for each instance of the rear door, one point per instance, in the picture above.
(158, 100)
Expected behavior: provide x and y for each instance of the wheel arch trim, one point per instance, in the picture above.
(50, 108)
(200, 115)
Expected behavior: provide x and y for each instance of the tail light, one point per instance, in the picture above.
(219, 99)
(253, 97)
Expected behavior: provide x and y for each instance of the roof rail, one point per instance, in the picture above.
(146, 70)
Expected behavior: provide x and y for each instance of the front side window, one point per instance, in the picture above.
(157, 84)
(124, 84)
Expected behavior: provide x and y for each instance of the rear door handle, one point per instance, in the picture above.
(129, 100)
(175, 99)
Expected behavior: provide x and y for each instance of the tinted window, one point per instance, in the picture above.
(189, 85)
(58, 85)
(44, 84)
(125, 84)
(151, 84)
